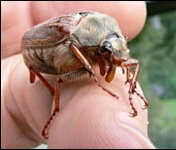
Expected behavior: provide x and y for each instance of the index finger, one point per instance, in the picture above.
(27, 14)
(125, 12)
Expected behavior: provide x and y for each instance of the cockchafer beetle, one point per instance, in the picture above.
(69, 45)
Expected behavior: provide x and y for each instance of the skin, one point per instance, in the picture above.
(88, 117)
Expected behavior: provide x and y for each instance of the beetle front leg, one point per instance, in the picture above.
(132, 81)
(89, 68)
(128, 64)
(125, 63)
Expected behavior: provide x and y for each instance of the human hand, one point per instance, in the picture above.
(88, 117)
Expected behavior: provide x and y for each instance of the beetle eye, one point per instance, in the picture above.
(106, 47)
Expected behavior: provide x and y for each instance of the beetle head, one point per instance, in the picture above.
(115, 45)
(113, 51)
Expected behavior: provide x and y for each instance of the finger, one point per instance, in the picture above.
(15, 21)
(91, 118)
(25, 106)
(28, 14)
(126, 13)
(37, 86)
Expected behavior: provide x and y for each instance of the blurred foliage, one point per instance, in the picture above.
(155, 48)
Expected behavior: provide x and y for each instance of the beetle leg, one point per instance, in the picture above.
(34, 73)
(56, 108)
(144, 100)
(132, 81)
(89, 68)
(128, 75)
(134, 113)
(32, 76)
(127, 64)
(123, 70)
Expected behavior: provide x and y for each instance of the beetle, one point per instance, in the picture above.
(70, 45)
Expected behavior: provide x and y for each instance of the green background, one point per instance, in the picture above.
(155, 48)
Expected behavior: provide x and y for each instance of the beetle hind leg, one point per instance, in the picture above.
(55, 111)
(34, 73)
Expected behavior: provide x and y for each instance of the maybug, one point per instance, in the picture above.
(70, 45)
